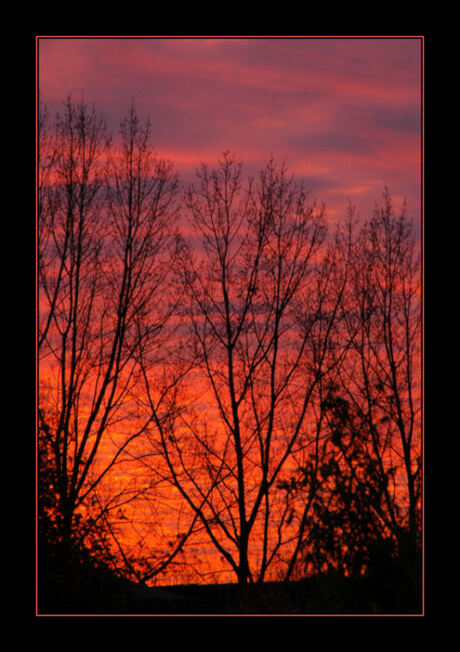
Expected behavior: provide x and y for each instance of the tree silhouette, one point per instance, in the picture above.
(106, 218)
(258, 289)
(346, 525)
(219, 368)
(382, 371)
(361, 489)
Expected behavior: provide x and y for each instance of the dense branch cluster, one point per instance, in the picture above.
(227, 384)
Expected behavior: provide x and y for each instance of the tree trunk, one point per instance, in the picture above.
(244, 575)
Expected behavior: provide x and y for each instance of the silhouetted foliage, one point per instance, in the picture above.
(346, 531)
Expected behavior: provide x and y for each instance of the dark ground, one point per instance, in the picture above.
(69, 589)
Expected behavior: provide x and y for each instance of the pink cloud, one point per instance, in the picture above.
(344, 113)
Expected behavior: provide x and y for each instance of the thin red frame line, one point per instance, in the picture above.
(226, 36)
(421, 37)
(423, 319)
(36, 328)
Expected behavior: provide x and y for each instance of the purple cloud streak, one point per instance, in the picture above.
(343, 113)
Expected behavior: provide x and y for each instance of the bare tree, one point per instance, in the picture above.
(382, 374)
(105, 244)
(257, 286)
(367, 484)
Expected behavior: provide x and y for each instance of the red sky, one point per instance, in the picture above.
(344, 113)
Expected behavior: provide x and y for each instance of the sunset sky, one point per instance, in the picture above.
(226, 451)
(344, 113)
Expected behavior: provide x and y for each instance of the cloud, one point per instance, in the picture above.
(338, 141)
(342, 112)
(401, 120)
